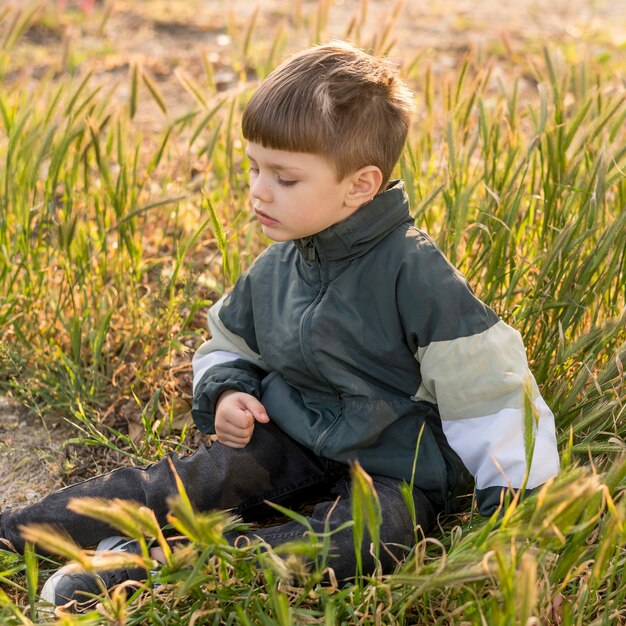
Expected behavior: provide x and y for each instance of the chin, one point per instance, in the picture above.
(276, 235)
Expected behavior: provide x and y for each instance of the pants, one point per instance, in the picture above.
(271, 467)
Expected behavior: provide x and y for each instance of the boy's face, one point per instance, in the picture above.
(295, 194)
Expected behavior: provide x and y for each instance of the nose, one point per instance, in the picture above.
(260, 188)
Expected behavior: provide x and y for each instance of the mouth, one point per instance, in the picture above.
(264, 218)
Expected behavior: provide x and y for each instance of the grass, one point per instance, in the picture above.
(116, 235)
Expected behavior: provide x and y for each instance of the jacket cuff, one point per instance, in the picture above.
(241, 375)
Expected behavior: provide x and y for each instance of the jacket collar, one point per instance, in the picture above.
(358, 233)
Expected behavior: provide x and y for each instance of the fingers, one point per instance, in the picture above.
(256, 409)
(240, 418)
(233, 442)
(235, 417)
(234, 439)
(235, 427)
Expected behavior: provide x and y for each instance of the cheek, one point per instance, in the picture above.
(293, 199)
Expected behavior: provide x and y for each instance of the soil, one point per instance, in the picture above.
(169, 34)
(32, 454)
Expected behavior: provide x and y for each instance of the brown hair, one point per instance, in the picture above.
(335, 101)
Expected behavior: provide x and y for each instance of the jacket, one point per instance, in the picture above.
(364, 343)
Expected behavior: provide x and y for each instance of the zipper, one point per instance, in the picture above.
(306, 323)
(321, 438)
(305, 340)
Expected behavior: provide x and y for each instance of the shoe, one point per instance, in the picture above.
(76, 591)
(5, 544)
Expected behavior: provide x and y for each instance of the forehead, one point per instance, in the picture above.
(272, 158)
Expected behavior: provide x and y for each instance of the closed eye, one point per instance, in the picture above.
(285, 183)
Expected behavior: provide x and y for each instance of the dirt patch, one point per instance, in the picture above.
(32, 455)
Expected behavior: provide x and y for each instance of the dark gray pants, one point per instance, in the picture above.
(271, 467)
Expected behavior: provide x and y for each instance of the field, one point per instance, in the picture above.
(124, 213)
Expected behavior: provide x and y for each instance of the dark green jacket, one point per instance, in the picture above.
(362, 341)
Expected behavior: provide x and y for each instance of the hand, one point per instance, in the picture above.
(235, 415)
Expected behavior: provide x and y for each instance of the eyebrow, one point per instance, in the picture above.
(280, 167)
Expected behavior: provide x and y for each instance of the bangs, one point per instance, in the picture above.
(289, 117)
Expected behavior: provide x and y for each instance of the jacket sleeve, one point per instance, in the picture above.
(474, 368)
(230, 358)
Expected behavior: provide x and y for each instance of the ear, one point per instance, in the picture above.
(364, 185)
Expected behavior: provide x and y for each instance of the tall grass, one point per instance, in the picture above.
(536, 221)
(115, 238)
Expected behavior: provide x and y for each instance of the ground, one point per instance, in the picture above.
(171, 34)
(31, 454)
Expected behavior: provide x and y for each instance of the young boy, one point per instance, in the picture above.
(350, 339)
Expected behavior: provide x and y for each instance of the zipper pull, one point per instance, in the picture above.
(309, 248)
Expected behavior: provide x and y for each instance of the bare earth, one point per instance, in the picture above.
(31, 455)
(169, 34)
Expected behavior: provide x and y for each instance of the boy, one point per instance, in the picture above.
(351, 338)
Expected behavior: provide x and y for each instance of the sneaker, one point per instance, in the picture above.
(75, 591)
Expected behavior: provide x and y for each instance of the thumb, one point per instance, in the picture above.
(257, 409)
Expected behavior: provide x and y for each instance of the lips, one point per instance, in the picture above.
(264, 218)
